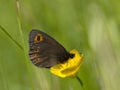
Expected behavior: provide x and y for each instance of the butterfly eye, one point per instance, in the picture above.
(38, 38)
(72, 55)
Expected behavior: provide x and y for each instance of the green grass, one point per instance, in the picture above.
(92, 27)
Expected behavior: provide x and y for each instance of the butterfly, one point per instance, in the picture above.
(44, 51)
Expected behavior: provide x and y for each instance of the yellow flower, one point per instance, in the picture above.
(70, 67)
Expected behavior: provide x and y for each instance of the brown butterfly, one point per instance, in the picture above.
(44, 51)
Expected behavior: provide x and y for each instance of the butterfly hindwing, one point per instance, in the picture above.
(44, 50)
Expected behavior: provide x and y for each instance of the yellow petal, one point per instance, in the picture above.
(70, 67)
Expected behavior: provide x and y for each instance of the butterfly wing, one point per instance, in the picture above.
(44, 50)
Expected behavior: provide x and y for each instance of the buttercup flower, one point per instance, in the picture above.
(70, 67)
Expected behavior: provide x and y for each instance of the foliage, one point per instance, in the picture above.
(92, 27)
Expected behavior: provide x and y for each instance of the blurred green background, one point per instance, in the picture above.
(90, 26)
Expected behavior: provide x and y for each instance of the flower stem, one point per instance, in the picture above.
(79, 80)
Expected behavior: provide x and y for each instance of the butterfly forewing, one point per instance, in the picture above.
(44, 50)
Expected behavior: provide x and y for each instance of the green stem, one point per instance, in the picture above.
(4, 30)
(79, 80)
(21, 34)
